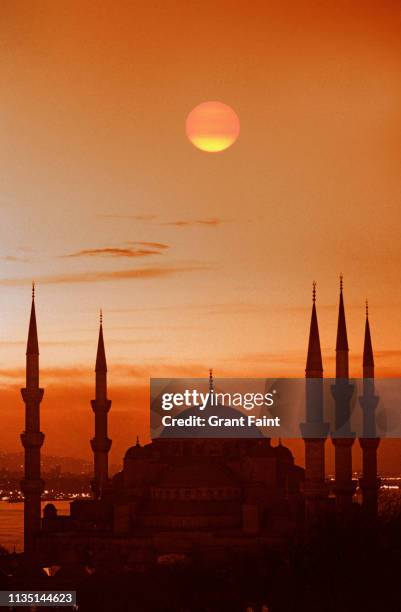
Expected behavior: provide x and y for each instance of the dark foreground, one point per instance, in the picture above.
(348, 568)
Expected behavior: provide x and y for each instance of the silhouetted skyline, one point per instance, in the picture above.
(197, 259)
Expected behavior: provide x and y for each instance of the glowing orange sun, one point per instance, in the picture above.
(212, 126)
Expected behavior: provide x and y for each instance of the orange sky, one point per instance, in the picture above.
(198, 260)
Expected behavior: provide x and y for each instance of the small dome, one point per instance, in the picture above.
(137, 451)
(284, 453)
(118, 479)
(50, 511)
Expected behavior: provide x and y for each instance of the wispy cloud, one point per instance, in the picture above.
(208, 221)
(103, 276)
(212, 222)
(156, 245)
(235, 308)
(144, 249)
(131, 374)
(76, 373)
(135, 217)
(13, 258)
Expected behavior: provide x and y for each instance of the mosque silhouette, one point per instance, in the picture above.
(178, 497)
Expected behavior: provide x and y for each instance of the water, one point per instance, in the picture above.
(12, 523)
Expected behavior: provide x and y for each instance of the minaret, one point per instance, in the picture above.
(32, 438)
(211, 382)
(343, 438)
(342, 339)
(369, 482)
(100, 405)
(314, 430)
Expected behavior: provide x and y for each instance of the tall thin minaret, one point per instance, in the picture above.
(369, 482)
(32, 438)
(314, 430)
(211, 382)
(343, 438)
(100, 444)
(342, 370)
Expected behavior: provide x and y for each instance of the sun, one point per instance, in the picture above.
(212, 126)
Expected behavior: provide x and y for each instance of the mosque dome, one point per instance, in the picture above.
(50, 511)
(284, 453)
(137, 451)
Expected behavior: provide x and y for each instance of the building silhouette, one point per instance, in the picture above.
(100, 444)
(180, 497)
(32, 438)
(314, 430)
(369, 442)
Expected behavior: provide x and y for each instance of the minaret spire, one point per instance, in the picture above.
(32, 438)
(368, 360)
(101, 365)
(369, 483)
(32, 347)
(343, 438)
(211, 383)
(342, 339)
(314, 365)
(314, 430)
(100, 444)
